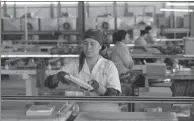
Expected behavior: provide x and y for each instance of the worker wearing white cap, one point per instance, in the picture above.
(92, 68)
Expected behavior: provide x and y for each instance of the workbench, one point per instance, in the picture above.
(126, 116)
(18, 113)
(181, 80)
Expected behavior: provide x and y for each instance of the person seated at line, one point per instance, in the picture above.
(140, 41)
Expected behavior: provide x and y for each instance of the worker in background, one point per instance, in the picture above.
(93, 69)
(120, 54)
(140, 41)
(162, 33)
(107, 50)
(121, 57)
(149, 37)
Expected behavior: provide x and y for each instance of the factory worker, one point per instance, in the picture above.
(121, 57)
(120, 54)
(93, 69)
(149, 37)
(140, 41)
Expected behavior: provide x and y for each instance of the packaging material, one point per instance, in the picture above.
(40, 110)
(74, 93)
(79, 82)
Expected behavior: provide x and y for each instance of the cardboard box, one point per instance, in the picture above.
(156, 68)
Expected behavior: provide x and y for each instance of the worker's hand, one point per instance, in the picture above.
(94, 84)
(99, 89)
(51, 81)
(61, 77)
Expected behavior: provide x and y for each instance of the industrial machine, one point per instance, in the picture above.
(106, 23)
(125, 23)
(90, 23)
(11, 24)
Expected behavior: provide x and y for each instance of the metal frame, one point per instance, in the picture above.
(0, 57)
(122, 99)
(109, 99)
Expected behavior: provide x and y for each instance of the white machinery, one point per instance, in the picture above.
(106, 23)
(125, 23)
(32, 24)
(11, 24)
(90, 23)
(66, 24)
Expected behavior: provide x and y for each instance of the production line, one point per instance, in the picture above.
(37, 55)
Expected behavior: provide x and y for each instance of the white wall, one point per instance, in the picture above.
(44, 10)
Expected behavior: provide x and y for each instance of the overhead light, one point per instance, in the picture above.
(177, 10)
(179, 4)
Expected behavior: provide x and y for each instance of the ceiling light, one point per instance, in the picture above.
(179, 4)
(177, 10)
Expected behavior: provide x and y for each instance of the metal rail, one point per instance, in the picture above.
(123, 99)
(47, 55)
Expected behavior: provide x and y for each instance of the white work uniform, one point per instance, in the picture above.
(105, 73)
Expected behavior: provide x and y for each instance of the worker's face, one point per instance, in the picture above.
(127, 39)
(91, 47)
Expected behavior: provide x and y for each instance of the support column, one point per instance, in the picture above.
(191, 22)
(87, 10)
(115, 13)
(81, 19)
(4, 9)
(0, 59)
(51, 10)
(126, 9)
(14, 10)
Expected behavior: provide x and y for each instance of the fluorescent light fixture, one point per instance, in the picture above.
(177, 10)
(23, 2)
(38, 56)
(179, 4)
(129, 45)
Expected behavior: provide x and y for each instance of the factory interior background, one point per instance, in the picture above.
(38, 38)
